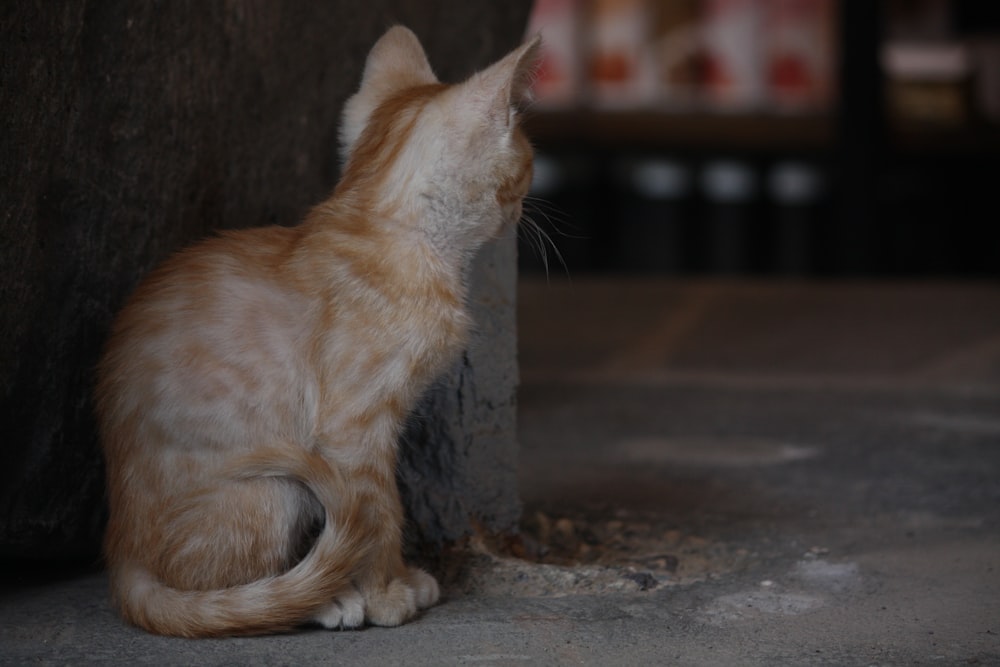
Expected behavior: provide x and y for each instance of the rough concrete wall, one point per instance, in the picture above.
(132, 129)
(460, 465)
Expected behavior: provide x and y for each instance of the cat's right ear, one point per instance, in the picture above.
(396, 62)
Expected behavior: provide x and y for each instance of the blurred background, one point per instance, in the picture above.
(766, 137)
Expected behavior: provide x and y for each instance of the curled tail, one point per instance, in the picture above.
(273, 604)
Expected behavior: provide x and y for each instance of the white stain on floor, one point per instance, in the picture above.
(810, 585)
(826, 576)
(753, 604)
(727, 451)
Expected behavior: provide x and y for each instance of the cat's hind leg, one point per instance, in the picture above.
(236, 533)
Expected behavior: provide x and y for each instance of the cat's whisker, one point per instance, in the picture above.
(538, 238)
(555, 218)
(534, 239)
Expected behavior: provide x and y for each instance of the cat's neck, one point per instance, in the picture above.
(416, 231)
(385, 246)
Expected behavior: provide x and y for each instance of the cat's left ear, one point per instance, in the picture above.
(505, 87)
(396, 62)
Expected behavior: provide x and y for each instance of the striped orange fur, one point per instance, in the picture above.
(253, 387)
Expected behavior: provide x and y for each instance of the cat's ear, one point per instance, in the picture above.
(505, 87)
(396, 62)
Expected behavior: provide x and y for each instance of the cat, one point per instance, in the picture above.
(254, 385)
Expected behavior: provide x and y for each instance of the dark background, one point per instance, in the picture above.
(896, 200)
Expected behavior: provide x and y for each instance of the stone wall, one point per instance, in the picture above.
(131, 129)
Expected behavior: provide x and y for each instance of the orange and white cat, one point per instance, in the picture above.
(254, 386)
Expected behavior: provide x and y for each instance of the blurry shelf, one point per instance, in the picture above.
(655, 129)
(756, 132)
(918, 139)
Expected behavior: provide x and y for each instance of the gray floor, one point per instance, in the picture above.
(796, 474)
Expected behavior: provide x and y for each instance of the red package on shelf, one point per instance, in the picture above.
(619, 67)
(557, 84)
(733, 63)
(798, 38)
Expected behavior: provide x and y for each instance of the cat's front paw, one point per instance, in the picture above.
(346, 612)
(426, 588)
(399, 601)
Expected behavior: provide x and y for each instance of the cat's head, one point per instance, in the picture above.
(450, 160)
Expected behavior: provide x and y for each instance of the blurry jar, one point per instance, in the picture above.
(653, 215)
(795, 190)
(730, 189)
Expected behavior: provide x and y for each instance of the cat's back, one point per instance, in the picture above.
(215, 264)
(210, 329)
(209, 281)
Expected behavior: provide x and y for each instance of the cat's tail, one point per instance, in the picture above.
(274, 604)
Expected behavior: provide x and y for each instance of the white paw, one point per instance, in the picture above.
(391, 606)
(346, 612)
(399, 601)
(426, 588)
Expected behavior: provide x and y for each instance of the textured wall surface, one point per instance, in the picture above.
(459, 454)
(131, 129)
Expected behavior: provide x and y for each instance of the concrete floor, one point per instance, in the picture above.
(796, 474)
